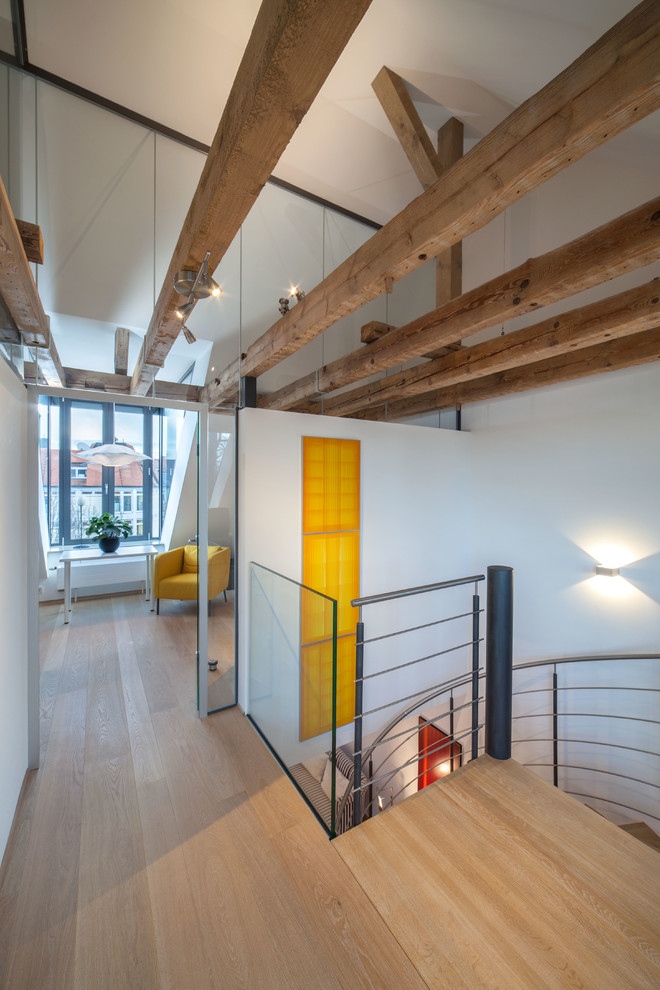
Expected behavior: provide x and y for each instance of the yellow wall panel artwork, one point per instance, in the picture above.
(331, 565)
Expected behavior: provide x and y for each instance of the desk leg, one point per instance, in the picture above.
(67, 589)
(150, 579)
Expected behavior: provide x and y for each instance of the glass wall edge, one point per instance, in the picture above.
(305, 587)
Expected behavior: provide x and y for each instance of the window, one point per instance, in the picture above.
(75, 489)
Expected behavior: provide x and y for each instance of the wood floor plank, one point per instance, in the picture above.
(115, 942)
(181, 952)
(147, 765)
(499, 859)
(44, 921)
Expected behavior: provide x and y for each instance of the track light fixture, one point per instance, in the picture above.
(294, 293)
(194, 285)
(197, 285)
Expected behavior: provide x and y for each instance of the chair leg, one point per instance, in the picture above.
(225, 594)
(158, 606)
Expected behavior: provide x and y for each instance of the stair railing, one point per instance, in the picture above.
(559, 715)
(497, 696)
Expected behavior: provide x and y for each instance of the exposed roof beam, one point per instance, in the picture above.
(406, 123)
(449, 263)
(293, 46)
(627, 243)
(33, 242)
(613, 355)
(607, 89)
(8, 330)
(20, 295)
(122, 338)
(101, 381)
(621, 315)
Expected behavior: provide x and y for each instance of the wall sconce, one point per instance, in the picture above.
(606, 571)
(194, 285)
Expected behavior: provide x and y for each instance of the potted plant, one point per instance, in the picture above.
(108, 530)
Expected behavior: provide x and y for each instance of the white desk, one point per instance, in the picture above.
(77, 556)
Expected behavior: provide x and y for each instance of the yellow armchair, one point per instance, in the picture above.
(175, 574)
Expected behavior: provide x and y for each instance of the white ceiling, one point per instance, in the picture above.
(175, 61)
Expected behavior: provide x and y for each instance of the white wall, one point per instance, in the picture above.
(558, 474)
(13, 597)
(414, 530)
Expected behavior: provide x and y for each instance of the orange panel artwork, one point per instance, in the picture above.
(331, 565)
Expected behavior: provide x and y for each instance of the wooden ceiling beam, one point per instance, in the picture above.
(607, 89)
(19, 292)
(33, 242)
(625, 244)
(613, 355)
(101, 381)
(428, 166)
(406, 123)
(122, 339)
(292, 48)
(621, 315)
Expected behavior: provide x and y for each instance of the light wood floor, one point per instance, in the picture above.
(494, 879)
(157, 850)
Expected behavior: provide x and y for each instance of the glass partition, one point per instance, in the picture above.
(221, 532)
(285, 676)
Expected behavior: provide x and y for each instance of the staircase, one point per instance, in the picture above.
(494, 878)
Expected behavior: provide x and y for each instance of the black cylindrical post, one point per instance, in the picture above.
(357, 725)
(555, 732)
(475, 676)
(499, 662)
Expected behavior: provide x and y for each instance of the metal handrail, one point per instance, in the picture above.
(422, 625)
(628, 718)
(610, 773)
(457, 683)
(421, 590)
(411, 663)
(555, 714)
(619, 804)
(589, 742)
(589, 659)
(366, 754)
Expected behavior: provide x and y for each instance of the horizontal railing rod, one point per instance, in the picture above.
(421, 590)
(407, 732)
(628, 718)
(424, 625)
(411, 663)
(586, 687)
(604, 659)
(610, 773)
(628, 807)
(590, 742)
(457, 682)
(390, 773)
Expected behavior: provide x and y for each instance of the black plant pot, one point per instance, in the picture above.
(108, 544)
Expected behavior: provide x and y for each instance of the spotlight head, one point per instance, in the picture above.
(188, 334)
(284, 305)
(183, 312)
